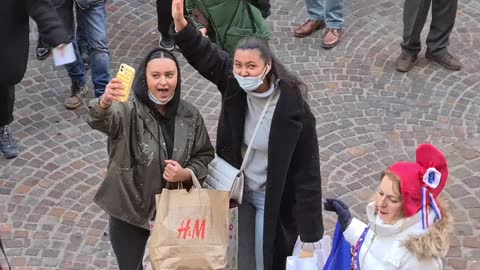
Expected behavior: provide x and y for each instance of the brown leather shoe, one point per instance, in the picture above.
(307, 28)
(331, 37)
(405, 62)
(446, 60)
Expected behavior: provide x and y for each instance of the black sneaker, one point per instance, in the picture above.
(7, 144)
(167, 43)
(43, 50)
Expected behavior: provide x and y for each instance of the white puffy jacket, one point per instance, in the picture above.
(404, 245)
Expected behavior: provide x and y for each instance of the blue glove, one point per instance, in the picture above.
(339, 207)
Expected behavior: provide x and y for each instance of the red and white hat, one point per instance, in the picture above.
(422, 181)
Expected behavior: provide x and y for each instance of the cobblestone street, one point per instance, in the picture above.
(368, 116)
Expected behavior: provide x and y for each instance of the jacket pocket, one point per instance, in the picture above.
(133, 187)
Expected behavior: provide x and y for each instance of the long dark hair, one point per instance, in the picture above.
(278, 71)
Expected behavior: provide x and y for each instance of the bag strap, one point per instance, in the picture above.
(195, 181)
(5, 255)
(245, 158)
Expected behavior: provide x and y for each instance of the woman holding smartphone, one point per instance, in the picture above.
(154, 140)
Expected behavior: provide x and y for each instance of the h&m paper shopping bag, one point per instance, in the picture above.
(190, 229)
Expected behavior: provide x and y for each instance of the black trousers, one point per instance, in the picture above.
(7, 100)
(164, 16)
(128, 243)
(415, 14)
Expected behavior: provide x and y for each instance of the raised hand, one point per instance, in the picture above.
(178, 16)
(113, 92)
(339, 207)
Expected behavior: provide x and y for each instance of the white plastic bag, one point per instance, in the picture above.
(146, 263)
(321, 250)
(297, 263)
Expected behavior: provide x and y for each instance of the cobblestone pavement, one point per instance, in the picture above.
(368, 116)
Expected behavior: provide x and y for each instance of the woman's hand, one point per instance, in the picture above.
(339, 207)
(113, 92)
(175, 173)
(178, 16)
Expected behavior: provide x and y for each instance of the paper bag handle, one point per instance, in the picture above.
(195, 181)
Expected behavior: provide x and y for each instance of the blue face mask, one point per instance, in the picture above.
(155, 100)
(250, 84)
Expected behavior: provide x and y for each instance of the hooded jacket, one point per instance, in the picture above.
(403, 245)
(137, 149)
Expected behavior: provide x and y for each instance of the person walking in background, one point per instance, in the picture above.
(408, 225)
(154, 140)
(43, 50)
(415, 14)
(14, 28)
(93, 19)
(326, 14)
(283, 189)
(227, 22)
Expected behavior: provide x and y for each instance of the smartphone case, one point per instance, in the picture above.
(126, 74)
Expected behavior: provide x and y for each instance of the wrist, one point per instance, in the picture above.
(104, 105)
(180, 24)
(186, 175)
(346, 222)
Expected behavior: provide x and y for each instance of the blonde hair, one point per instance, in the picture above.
(396, 183)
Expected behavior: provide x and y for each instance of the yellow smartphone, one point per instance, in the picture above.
(126, 74)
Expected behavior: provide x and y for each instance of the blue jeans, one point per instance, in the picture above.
(250, 219)
(82, 40)
(330, 11)
(94, 24)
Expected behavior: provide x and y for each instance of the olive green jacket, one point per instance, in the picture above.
(230, 20)
(137, 152)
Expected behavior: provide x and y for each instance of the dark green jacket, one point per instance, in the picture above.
(230, 21)
(137, 152)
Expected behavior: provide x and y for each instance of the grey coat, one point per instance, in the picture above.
(137, 152)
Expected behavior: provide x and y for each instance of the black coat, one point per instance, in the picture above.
(293, 203)
(14, 29)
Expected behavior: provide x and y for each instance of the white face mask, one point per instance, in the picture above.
(249, 84)
(155, 100)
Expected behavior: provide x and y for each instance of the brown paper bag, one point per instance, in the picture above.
(190, 229)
